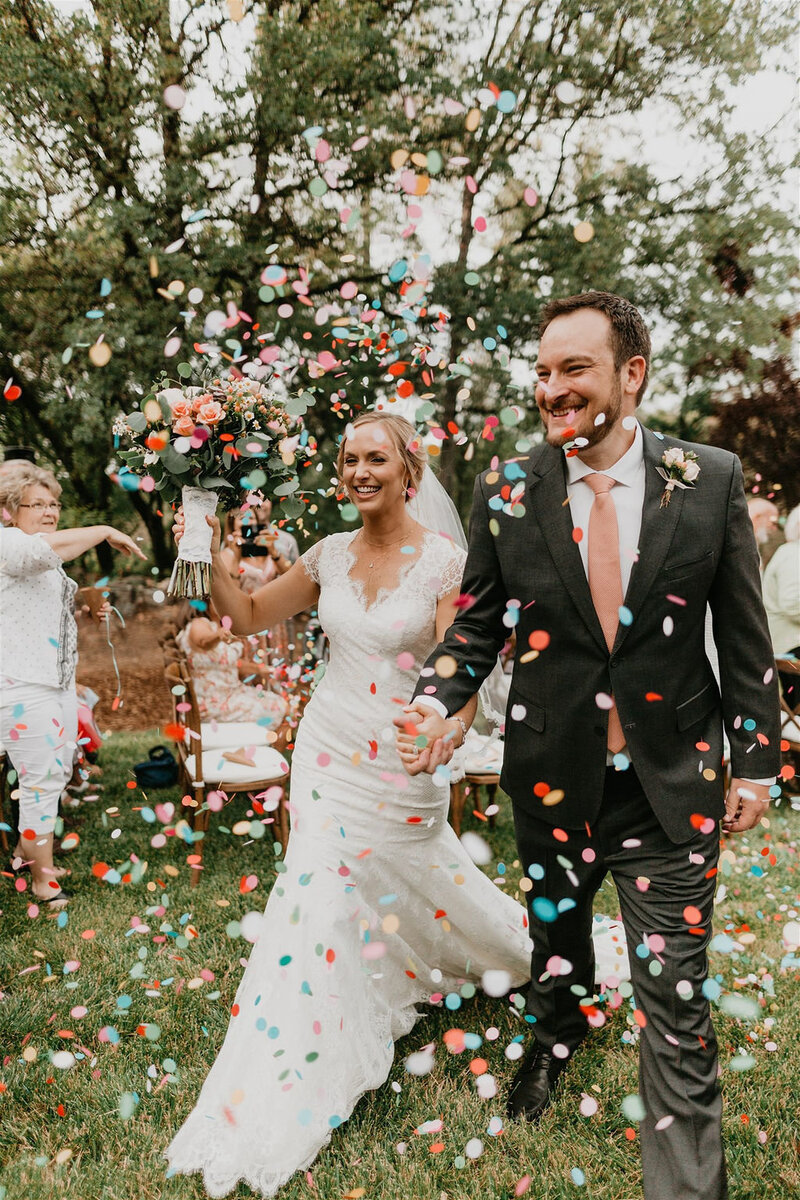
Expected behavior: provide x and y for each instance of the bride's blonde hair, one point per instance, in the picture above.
(403, 438)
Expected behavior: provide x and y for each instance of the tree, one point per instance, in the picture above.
(761, 423)
(376, 198)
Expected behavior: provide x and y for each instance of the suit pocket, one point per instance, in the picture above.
(697, 707)
(523, 711)
(690, 566)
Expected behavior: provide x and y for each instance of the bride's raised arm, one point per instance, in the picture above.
(281, 598)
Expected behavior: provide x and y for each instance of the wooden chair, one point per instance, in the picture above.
(471, 785)
(790, 711)
(210, 771)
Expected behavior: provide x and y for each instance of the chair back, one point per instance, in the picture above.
(179, 681)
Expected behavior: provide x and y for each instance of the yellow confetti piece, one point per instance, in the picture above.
(100, 354)
(553, 797)
(583, 231)
(472, 120)
(445, 666)
(153, 266)
(397, 159)
(529, 656)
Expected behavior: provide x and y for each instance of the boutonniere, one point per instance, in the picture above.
(679, 468)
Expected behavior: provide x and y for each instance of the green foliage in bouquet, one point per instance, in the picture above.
(225, 435)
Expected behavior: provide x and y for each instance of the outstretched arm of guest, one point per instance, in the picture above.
(71, 543)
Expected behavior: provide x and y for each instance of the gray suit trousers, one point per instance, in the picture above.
(666, 895)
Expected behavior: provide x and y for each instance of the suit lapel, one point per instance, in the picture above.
(547, 493)
(658, 529)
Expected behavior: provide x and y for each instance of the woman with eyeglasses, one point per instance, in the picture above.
(38, 653)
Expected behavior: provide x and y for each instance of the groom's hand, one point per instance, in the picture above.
(418, 722)
(745, 805)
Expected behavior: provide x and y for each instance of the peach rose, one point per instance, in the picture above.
(211, 413)
(199, 400)
(180, 408)
(184, 426)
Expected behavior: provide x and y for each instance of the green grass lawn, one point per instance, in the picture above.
(160, 963)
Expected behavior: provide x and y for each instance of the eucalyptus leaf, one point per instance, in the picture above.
(174, 463)
(137, 422)
(214, 481)
(292, 507)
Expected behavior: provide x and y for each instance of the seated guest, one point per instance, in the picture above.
(38, 651)
(781, 589)
(219, 666)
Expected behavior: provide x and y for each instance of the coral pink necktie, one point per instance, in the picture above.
(605, 577)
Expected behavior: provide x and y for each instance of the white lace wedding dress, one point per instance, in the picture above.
(379, 907)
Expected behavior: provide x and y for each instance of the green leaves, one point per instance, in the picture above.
(137, 421)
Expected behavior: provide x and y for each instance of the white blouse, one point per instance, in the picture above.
(38, 635)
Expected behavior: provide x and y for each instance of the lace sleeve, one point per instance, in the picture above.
(451, 571)
(310, 561)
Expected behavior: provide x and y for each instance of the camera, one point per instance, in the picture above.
(249, 533)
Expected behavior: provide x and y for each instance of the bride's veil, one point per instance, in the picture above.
(432, 507)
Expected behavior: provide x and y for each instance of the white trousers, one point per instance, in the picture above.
(38, 731)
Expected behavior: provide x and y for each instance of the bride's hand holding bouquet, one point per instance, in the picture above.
(201, 445)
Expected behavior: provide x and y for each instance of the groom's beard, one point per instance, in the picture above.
(594, 434)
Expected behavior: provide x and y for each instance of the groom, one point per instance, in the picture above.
(613, 745)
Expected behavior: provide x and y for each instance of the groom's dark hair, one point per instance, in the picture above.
(629, 335)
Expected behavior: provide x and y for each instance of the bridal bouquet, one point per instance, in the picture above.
(200, 445)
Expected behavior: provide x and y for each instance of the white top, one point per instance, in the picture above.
(628, 499)
(38, 635)
(780, 584)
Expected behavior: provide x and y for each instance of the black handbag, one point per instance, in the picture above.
(159, 770)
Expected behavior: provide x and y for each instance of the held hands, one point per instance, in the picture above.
(443, 735)
(745, 805)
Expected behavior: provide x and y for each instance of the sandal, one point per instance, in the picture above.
(58, 899)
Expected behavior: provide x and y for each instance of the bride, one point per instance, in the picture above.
(378, 907)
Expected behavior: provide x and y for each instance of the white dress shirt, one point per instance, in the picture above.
(628, 497)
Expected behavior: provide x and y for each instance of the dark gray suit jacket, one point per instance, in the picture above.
(698, 550)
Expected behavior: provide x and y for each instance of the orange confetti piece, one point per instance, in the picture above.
(539, 639)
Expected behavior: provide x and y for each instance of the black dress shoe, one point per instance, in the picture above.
(533, 1084)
